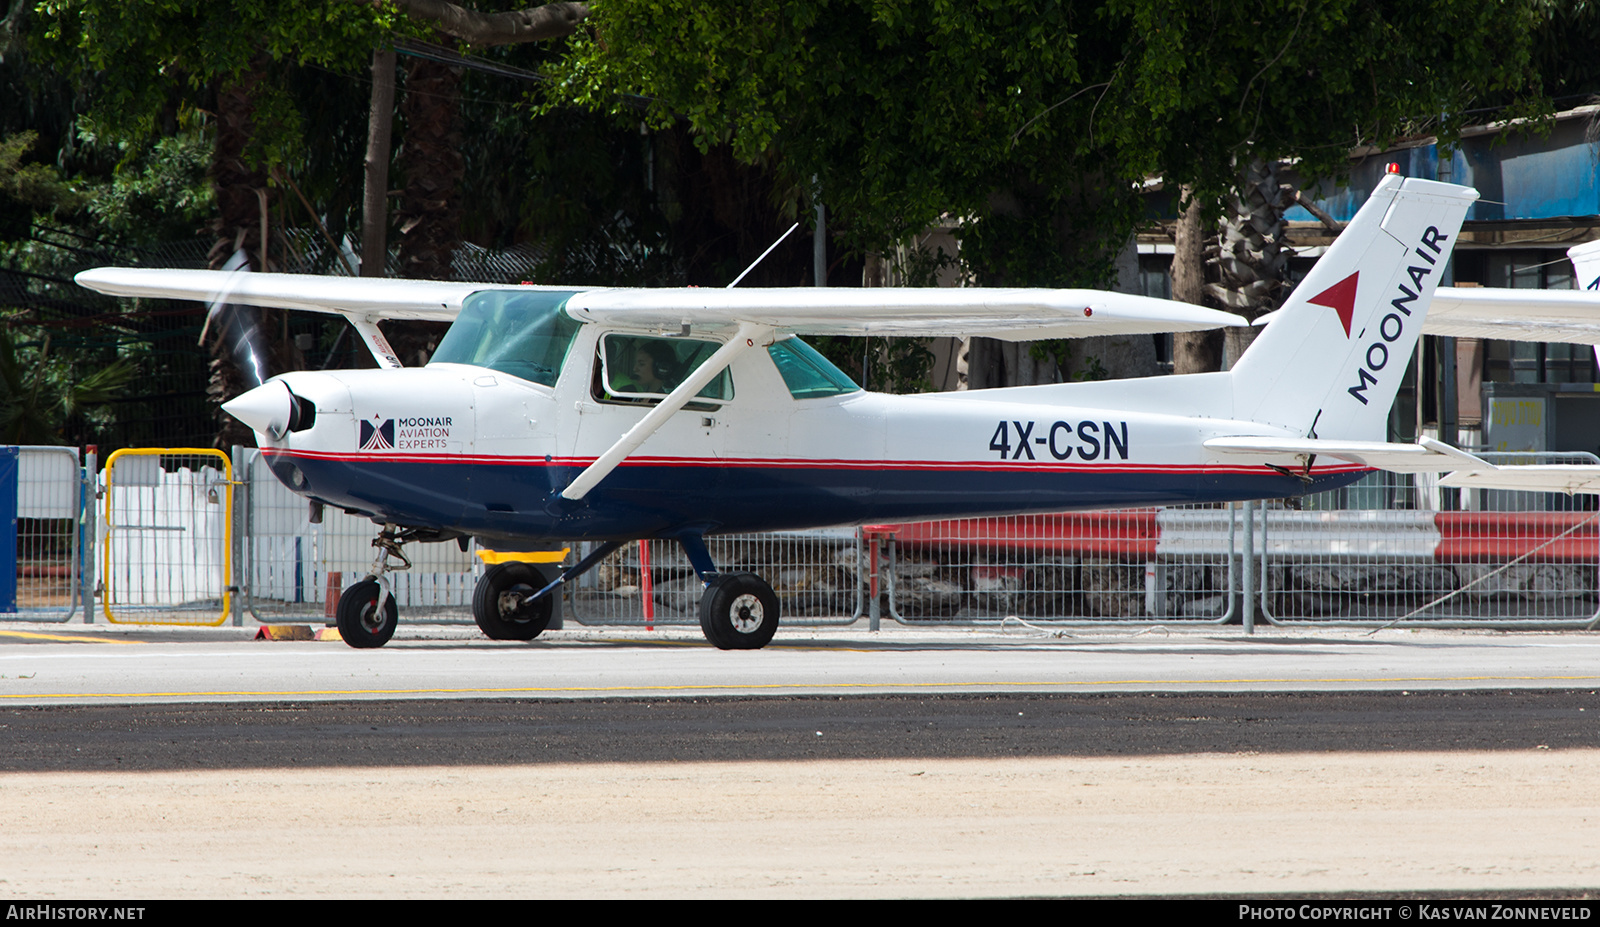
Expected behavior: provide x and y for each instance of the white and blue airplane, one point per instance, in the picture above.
(617, 414)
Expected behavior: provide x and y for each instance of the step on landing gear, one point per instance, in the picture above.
(367, 613)
(738, 611)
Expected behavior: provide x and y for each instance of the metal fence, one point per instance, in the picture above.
(1440, 558)
(192, 537)
(817, 576)
(47, 537)
(1129, 565)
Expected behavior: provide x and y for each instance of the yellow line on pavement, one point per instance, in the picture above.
(794, 687)
(68, 638)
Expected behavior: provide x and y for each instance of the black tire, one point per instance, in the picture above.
(499, 603)
(360, 625)
(739, 611)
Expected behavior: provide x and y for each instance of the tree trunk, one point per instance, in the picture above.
(430, 203)
(375, 208)
(430, 159)
(1252, 261)
(1192, 352)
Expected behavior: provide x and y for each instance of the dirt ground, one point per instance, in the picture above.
(860, 828)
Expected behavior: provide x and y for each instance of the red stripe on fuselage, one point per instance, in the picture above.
(772, 463)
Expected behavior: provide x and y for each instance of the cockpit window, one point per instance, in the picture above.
(524, 333)
(807, 373)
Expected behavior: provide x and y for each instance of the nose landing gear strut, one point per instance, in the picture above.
(367, 613)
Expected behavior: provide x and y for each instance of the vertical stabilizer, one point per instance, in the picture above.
(1331, 360)
(1586, 264)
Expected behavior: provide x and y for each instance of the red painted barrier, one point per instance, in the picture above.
(1126, 534)
(1496, 537)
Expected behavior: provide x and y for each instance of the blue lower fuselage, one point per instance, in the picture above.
(518, 499)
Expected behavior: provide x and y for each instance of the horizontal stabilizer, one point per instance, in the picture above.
(1426, 456)
(1567, 478)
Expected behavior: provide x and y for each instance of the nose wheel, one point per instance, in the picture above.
(739, 611)
(366, 615)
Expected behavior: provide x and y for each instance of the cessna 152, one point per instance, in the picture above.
(617, 414)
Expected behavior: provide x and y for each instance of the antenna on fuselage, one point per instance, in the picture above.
(763, 256)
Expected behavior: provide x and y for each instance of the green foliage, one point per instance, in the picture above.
(40, 394)
(149, 57)
(29, 187)
(158, 193)
(886, 365)
(1019, 112)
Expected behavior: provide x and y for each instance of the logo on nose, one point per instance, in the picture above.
(377, 437)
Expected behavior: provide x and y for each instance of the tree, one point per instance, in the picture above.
(1038, 118)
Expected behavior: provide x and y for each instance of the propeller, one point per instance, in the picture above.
(239, 326)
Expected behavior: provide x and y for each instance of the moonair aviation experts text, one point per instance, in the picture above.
(50, 912)
(1422, 912)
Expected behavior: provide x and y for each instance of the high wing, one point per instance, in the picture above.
(1515, 315)
(1009, 314)
(1006, 314)
(371, 298)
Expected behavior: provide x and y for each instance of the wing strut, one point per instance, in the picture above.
(748, 335)
(376, 343)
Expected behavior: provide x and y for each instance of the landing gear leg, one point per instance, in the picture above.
(367, 613)
(738, 611)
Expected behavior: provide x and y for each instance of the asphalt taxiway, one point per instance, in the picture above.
(41, 665)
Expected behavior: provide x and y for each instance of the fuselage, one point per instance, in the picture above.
(474, 450)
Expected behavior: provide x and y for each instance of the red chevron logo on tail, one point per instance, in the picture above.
(1341, 298)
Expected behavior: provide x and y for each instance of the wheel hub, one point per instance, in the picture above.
(511, 602)
(746, 614)
(371, 618)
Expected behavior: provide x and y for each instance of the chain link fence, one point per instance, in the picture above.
(1440, 558)
(1114, 566)
(192, 537)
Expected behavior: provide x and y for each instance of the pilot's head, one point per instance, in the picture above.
(649, 371)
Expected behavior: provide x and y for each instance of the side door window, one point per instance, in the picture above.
(639, 369)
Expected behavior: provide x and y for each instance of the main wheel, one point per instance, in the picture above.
(501, 602)
(360, 622)
(739, 612)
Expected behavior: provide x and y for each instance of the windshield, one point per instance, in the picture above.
(523, 333)
(807, 373)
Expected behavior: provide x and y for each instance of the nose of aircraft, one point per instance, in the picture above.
(267, 409)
